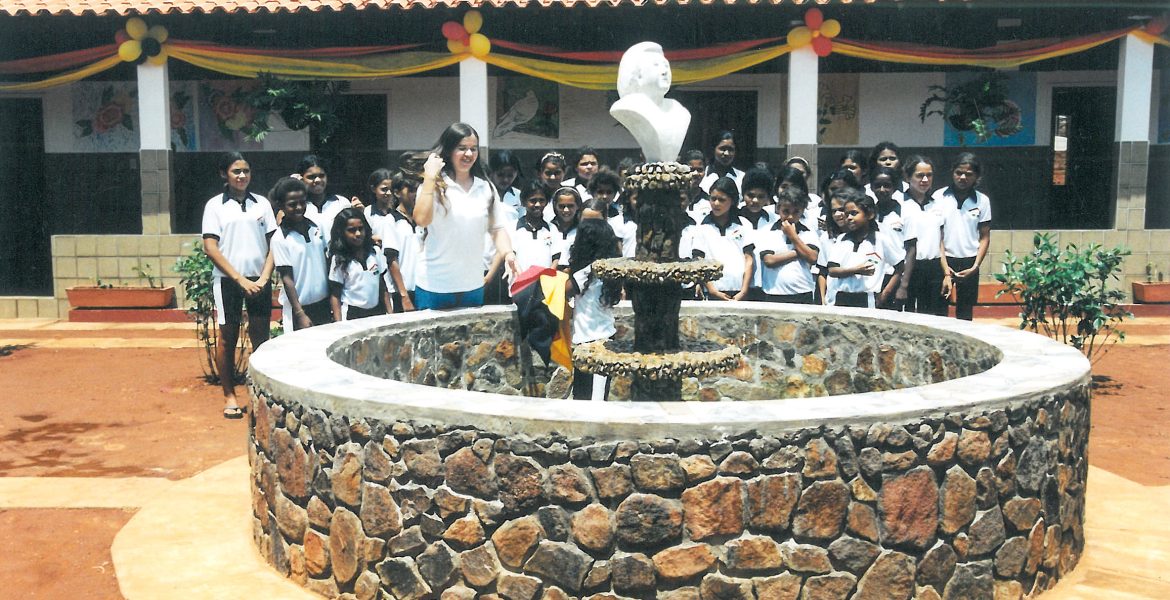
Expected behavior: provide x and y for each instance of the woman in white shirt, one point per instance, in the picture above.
(457, 204)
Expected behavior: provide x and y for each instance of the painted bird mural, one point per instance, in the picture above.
(520, 113)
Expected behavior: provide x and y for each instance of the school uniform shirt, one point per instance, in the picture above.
(242, 229)
(306, 257)
(878, 248)
(592, 321)
(898, 225)
(534, 246)
(376, 218)
(827, 243)
(899, 194)
(762, 224)
(627, 231)
(726, 245)
(455, 236)
(564, 239)
(710, 177)
(324, 216)
(794, 276)
(699, 210)
(961, 223)
(360, 281)
(400, 234)
(928, 223)
(511, 199)
(812, 212)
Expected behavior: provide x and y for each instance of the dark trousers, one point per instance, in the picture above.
(805, 298)
(966, 290)
(583, 385)
(926, 289)
(853, 299)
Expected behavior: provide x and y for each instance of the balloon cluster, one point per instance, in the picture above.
(465, 37)
(138, 43)
(816, 31)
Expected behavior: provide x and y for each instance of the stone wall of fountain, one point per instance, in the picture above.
(969, 487)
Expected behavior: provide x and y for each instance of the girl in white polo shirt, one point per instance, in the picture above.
(322, 206)
(592, 300)
(722, 162)
(788, 252)
(357, 288)
(401, 243)
(298, 251)
(966, 233)
(724, 236)
(457, 204)
(532, 238)
(236, 228)
(925, 290)
(859, 259)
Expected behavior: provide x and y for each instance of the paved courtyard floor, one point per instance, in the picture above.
(119, 478)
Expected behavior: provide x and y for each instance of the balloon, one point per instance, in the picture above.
(822, 46)
(159, 33)
(158, 59)
(813, 18)
(480, 45)
(130, 50)
(799, 36)
(121, 36)
(472, 21)
(150, 46)
(453, 30)
(136, 27)
(456, 47)
(831, 28)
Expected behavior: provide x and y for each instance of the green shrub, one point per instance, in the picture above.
(195, 277)
(1066, 294)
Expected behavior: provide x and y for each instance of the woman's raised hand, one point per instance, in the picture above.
(433, 165)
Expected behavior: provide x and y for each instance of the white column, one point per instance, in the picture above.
(154, 107)
(802, 97)
(473, 97)
(1135, 70)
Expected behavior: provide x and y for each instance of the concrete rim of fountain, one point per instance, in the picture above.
(298, 367)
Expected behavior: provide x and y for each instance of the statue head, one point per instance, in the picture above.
(644, 70)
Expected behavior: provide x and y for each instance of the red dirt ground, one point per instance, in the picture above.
(146, 412)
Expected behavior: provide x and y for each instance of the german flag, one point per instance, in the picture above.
(539, 294)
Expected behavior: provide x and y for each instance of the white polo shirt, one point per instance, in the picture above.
(765, 222)
(794, 276)
(961, 224)
(306, 257)
(401, 235)
(359, 282)
(377, 219)
(899, 225)
(591, 320)
(324, 216)
(242, 230)
(627, 232)
(727, 246)
(534, 247)
(928, 222)
(564, 241)
(453, 245)
(710, 177)
(878, 248)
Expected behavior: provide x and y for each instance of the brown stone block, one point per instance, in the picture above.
(957, 500)
(346, 541)
(632, 574)
(657, 473)
(593, 528)
(771, 500)
(725, 588)
(753, 555)
(465, 532)
(644, 520)
(890, 578)
(714, 508)
(908, 507)
(683, 563)
(480, 566)
(516, 539)
(820, 513)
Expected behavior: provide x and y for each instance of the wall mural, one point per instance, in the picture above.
(105, 116)
(837, 102)
(183, 133)
(526, 105)
(1021, 90)
(223, 112)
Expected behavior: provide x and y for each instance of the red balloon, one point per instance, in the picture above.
(813, 18)
(822, 45)
(121, 36)
(1157, 26)
(453, 30)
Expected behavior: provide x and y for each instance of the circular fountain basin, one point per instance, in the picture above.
(962, 468)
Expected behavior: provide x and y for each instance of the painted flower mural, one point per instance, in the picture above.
(115, 109)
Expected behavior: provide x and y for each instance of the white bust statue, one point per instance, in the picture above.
(657, 123)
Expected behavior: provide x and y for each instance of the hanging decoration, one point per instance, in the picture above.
(591, 70)
(816, 31)
(139, 44)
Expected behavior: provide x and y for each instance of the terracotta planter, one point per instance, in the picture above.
(988, 291)
(1156, 292)
(121, 297)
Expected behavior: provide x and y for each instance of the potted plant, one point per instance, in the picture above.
(301, 104)
(105, 295)
(195, 270)
(979, 106)
(1153, 290)
(1067, 294)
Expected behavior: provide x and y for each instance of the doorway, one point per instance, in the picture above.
(1082, 158)
(25, 256)
(712, 112)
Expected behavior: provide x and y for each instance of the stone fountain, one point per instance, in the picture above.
(656, 275)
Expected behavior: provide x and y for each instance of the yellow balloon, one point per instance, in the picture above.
(136, 27)
(831, 28)
(160, 58)
(480, 45)
(472, 21)
(159, 33)
(456, 47)
(799, 36)
(130, 50)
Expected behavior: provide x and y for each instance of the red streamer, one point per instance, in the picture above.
(616, 55)
(57, 62)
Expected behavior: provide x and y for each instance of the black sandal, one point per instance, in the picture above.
(233, 412)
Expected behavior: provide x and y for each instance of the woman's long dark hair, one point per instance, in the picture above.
(338, 249)
(445, 147)
(595, 240)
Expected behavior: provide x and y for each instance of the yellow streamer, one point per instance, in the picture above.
(847, 49)
(91, 69)
(251, 65)
(1146, 36)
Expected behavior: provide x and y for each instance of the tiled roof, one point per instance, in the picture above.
(139, 7)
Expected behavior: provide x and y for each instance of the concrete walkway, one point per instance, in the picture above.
(192, 538)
